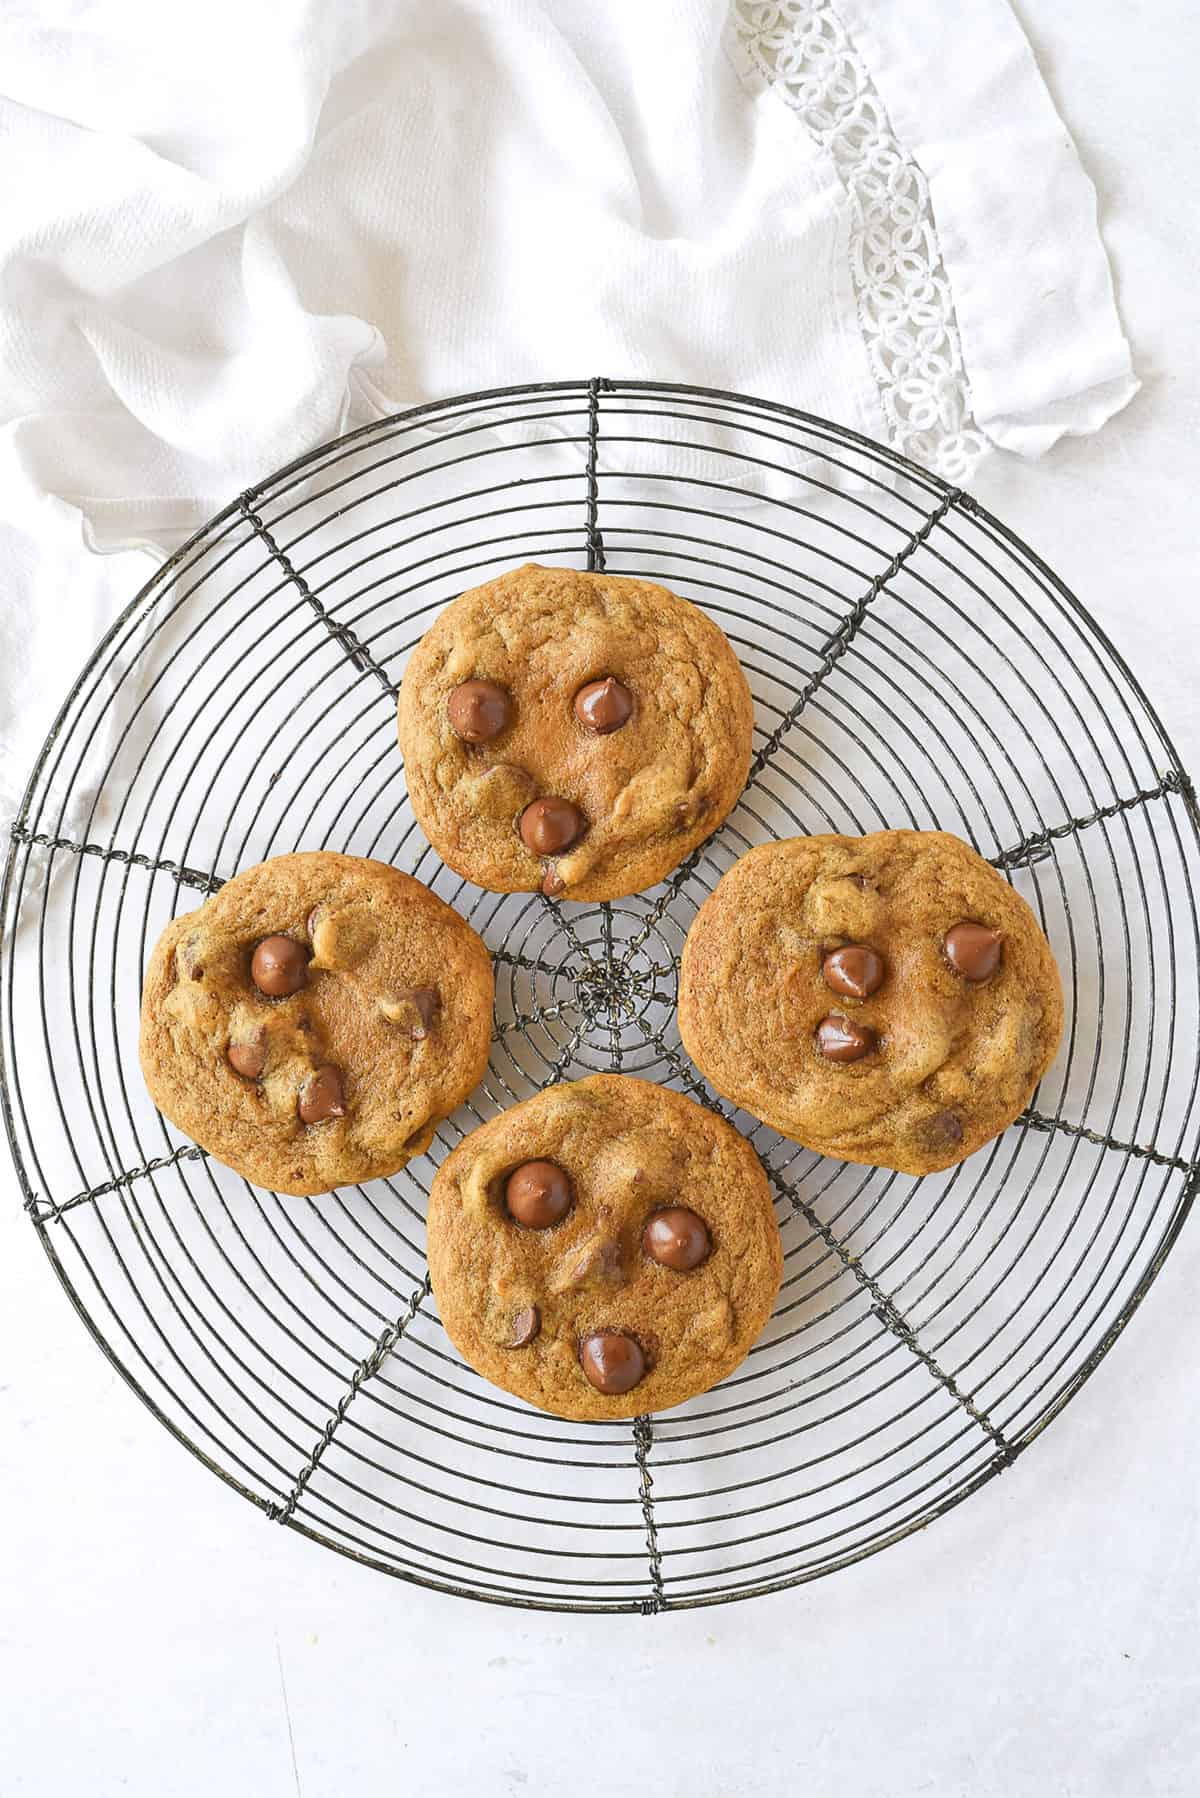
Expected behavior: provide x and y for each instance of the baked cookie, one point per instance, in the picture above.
(604, 1249)
(886, 999)
(315, 1020)
(577, 733)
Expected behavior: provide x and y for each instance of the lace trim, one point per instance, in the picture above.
(905, 306)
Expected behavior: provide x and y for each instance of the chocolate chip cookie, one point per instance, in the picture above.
(887, 999)
(604, 1249)
(577, 733)
(315, 1020)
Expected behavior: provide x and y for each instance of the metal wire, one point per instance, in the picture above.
(913, 663)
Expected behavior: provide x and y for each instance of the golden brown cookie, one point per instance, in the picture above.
(577, 733)
(315, 1020)
(887, 999)
(604, 1249)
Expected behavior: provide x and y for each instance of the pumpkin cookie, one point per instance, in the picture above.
(888, 999)
(577, 733)
(604, 1249)
(315, 1020)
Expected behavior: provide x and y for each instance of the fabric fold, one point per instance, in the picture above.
(1015, 214)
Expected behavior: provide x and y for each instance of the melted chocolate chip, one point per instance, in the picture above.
(248, 1058)
(425, 1001)
(186, 966)
(525, 1326)
(855, 971)
(677, 1238)
(279, 966)
(612, 1361)
(538, 1194)
(549, 826)
(839, 1039)
(603, 706)
(597, 1265)
(413, 1009)
(322, 1096)
(973, 950)
(479, 710)
(944, 1129)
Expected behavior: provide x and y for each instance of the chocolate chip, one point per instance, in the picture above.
(677, 1238)
(414, 1007)
(690, 811)
(973, 950)
(538, 1194)
(187, 966)
(612, 1361)
(603, 706)
(248, 1058)
(479, 710)
(599, 1264)
(322, 1096)
(427, 1000)
(525, 1326)
(854, 971)
(839, 1039)
(549, 826)
(945, 1129)
(279, 966)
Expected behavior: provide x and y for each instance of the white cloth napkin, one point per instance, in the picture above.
(228, 234)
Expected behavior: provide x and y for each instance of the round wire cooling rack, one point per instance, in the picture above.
(913, 663)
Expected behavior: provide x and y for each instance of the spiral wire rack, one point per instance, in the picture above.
(913, 663)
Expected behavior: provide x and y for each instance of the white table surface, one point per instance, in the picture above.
(159, 1638)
